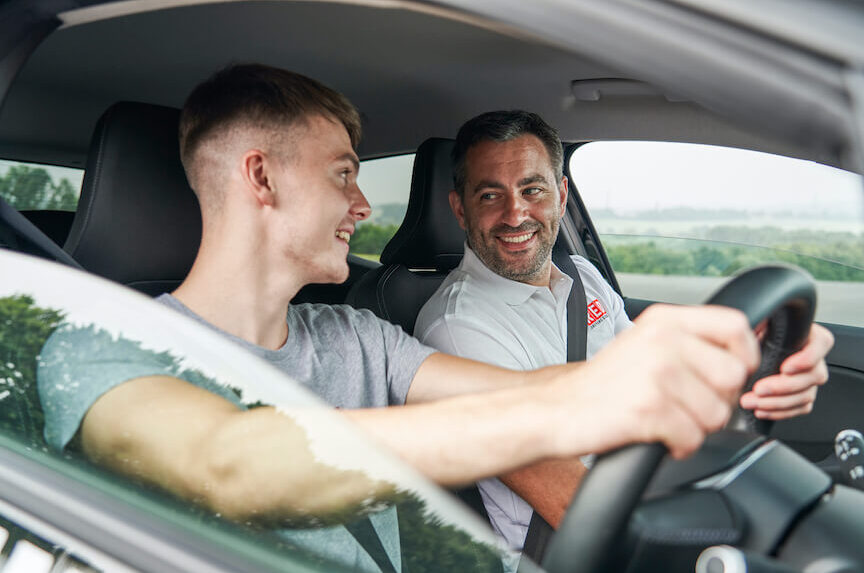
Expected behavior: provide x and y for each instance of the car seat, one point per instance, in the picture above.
(138, 221)
(425, 248)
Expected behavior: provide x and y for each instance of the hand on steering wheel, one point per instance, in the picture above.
(611, 490)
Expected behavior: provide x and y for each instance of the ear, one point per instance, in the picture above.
(256, 171)
(457, 207)
(562, 191)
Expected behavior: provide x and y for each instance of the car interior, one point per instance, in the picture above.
(114, 113)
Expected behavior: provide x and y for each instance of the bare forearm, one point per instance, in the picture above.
(259, 465)
(548, 486)
(445, 376)
(462, 439)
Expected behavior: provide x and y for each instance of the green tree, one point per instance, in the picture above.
(24, 328)
(63, 197)
(370, 238)
(648, 258)
(835, 261)
(26, 187)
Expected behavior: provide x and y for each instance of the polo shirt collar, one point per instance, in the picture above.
(511, 292)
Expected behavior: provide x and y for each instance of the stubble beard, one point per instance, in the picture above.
(486, 249)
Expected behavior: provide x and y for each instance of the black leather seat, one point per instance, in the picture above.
(138, 221)
(427, 246)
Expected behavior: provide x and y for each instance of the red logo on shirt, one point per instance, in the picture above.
(595, 311)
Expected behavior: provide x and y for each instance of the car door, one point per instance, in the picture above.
(58, 509)
(670, 221)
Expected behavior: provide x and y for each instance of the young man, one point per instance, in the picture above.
(506, 302)
(270, 155)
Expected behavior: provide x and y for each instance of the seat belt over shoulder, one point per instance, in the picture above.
(577, 314)
(539, 531)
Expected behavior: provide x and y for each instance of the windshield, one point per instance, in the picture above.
(356, 483)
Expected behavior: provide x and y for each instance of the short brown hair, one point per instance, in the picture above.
(500, 126)
(259, 96)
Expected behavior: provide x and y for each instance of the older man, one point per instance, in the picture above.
(506, 302)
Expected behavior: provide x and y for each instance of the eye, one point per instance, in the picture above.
(488, 196)
(532, 191)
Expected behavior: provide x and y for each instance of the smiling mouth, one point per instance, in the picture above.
(344, 235)
(518, 238)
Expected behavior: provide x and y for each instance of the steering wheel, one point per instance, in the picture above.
(601, 509)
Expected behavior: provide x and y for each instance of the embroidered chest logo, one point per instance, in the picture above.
(595, 311)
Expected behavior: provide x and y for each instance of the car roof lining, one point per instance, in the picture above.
(449, 70)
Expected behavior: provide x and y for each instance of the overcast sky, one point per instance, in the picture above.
(633, 176)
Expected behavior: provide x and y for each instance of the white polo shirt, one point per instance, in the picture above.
(481, 315)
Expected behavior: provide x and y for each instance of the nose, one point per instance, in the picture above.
(515, 210)
(360, 208)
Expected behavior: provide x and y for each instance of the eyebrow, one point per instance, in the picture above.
(351, 158)
(492, 184)
(488, 184)
(536, 178)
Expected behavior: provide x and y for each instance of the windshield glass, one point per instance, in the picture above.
(362, 495)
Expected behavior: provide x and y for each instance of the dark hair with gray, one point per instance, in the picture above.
(503, 126)
(259, 96)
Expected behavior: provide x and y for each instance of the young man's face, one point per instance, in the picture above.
(318, 201)
(511, 207)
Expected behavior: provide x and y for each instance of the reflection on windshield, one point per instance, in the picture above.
(24, 328)
(346, 510)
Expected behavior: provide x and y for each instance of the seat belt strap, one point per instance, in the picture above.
(539, 531)
(577, 313)
(30, 234)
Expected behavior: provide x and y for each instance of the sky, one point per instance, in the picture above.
(634, 176)
(386, 180)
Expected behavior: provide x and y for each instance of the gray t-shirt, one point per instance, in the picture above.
(349, 357)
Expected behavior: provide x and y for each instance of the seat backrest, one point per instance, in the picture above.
(138, 221)
(427, 246)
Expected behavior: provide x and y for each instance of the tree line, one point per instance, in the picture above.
(830, 261)
(26, 187)
(721, 251)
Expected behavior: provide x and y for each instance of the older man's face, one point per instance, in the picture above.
(511, 207)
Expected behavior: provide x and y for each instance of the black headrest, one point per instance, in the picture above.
(138, 221)
(429, 237)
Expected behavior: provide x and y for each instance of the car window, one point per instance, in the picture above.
(433, 528)
(386, 182)
(676, 218)
(35, 187)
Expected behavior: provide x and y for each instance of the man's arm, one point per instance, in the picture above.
(683, 369)
(247, 465)
(548, 485)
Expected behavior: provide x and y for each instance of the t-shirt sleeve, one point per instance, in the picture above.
(404, 355)
(79, 364)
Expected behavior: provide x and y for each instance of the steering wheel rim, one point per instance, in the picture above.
(610, 492)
